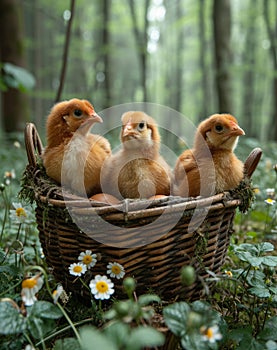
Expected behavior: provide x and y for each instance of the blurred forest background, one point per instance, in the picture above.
(198, 57)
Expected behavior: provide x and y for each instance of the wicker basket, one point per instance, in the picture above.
(151, 239)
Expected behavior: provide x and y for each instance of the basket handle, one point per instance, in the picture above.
(33, 143)
(252, 161)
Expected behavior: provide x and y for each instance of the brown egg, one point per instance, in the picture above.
(157, 196)
(105, 198)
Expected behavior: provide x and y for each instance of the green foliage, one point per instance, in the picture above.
(37, 323)
(16, 77)
(119, 336)
(11, 321)
(190, 322)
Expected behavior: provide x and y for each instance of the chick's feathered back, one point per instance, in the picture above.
(210, 166)
(73, 156)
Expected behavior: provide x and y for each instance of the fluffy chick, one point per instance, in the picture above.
(73, 156)
(137, 170)
(211, 166)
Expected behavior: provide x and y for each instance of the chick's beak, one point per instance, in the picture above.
(128, 130)
(236, 130)
(87, 124)
(96, 118)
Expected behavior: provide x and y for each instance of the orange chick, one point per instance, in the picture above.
(210, 166)
(137, 170)
(73, 156)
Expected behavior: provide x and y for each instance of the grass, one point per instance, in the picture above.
(239, 312)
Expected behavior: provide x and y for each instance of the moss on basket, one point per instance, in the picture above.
(245, 193)
(35, 181)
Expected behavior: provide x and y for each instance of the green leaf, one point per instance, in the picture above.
(256, 278)
(67, 344)
(21, 78)
(270, 261)
(39, 327)
(245, 339)
(260, 292)
(91, 336)
(144, 337)
(10, 269)
(118, 333)
(146, 299)
(255, 261)
(265, 247)
(270, 330)
(44, 309)
(11, 321)
(273, 289)
(238, 334)
(250, 344)
(41, 318)
(271, 345)
(175, 317)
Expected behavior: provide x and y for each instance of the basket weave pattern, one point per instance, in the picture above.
(156, 265)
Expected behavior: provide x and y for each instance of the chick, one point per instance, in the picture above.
(73, 156)
(137, 170)
(211, 166)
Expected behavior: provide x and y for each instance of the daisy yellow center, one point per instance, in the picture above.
(209, 333)
(77, 269)
(269, 200)
(102, 286)
(87, 259)
(20, 212)
(116, 269)
(29, 283)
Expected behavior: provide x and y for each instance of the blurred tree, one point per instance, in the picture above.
(14, 101)
(203, 61)
(249, 60)
(272, 35)
(223, 54)
(141, 37)
(65, 52)
(105, 52)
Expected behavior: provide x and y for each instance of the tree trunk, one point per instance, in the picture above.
(14, 102)
(222, 34)
(249, 60)
(272, 33)
(106, 43)
(65, 52)
(141, 43)
(203, 64)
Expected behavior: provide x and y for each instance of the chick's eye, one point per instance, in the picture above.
(141, 125)
(218, 128)
(78, 113)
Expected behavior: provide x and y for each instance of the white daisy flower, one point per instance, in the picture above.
(115, 270)
(101, 287)
(57, 293)
(211, 334)
(270, 201)
(77, 269)
(19, 213)
(30, 287)
(88, 258)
